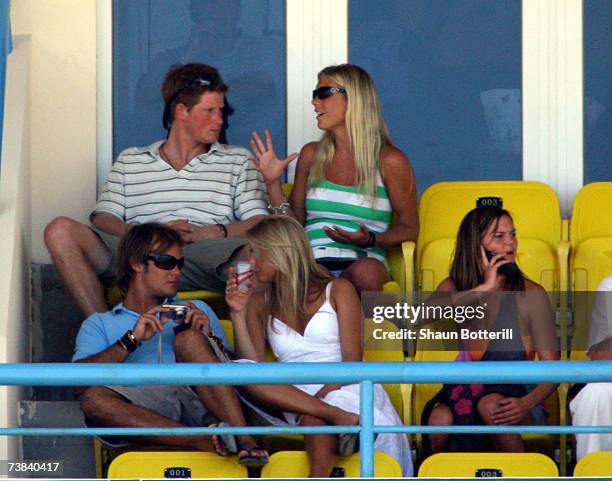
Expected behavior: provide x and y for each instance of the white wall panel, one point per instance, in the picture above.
(317, 36)
(553, 95)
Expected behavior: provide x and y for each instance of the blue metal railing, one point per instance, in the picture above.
(365, 374)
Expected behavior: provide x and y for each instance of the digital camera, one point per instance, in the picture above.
(176, 312)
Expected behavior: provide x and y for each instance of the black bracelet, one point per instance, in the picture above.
(223, 229)
(371, 241)
(129, 341)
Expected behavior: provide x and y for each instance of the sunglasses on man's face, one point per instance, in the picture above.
(324, 92)
(166, 261)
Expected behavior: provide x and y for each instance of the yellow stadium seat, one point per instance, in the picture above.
(201, 295)
(590, 238)
(542, 254)
(470, 465)
(591, 255)
(175, 464)
(401, 262)
(294, 464)
(589, 214)
(598, 463)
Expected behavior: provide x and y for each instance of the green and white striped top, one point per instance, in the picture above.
(329, 204)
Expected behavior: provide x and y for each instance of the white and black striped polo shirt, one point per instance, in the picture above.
(221, 186)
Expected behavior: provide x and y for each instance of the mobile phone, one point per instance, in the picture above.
(507, 270)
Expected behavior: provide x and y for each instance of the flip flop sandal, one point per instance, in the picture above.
(248, 457)
(348, 443)
(228, 441)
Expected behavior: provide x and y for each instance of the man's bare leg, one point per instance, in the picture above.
(108, 408)
(222, 401)
(78, 253)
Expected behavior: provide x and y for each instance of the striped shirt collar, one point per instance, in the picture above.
(153, 149)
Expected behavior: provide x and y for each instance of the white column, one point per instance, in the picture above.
(104, 91)
(553, 95)
(317, 36)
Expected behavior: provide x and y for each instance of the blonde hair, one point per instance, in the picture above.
(365, 124)
(282, 241)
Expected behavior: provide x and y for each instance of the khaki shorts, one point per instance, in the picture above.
(179, 403)
(203, 262)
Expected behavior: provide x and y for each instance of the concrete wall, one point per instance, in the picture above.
(63, 96)
(15, 235)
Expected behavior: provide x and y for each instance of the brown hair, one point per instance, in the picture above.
(185, 84)
(138, 243)
(466, 269)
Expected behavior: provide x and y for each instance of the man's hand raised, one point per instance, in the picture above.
(149, 324)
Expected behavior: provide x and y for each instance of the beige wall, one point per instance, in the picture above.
(15, 233)
(63, 86)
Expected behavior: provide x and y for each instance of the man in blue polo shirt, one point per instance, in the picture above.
(140, 330)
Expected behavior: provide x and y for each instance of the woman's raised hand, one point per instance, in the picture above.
(236, 295)
(270, 166)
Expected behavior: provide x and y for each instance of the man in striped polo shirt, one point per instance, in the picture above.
(211, 193)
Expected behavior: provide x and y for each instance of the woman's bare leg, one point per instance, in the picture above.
(510, 443)
(441, 415)
(321, 448)
(291, 399)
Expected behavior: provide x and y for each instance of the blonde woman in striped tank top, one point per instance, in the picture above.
(349, 184)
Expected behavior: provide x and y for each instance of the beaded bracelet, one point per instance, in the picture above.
(281, 209)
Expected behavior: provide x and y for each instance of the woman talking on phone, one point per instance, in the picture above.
(348, 184)
(484, 273)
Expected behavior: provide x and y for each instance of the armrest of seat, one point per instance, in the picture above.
(408, 248)
(565, 227)
(562, 252)
(563, 248)
(406, 390)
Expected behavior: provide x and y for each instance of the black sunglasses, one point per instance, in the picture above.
(324, 92)
(166, 261)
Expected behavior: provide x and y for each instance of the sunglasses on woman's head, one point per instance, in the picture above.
(324, 92)
(166, 261)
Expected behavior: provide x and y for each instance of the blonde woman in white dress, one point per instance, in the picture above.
(306, 316)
